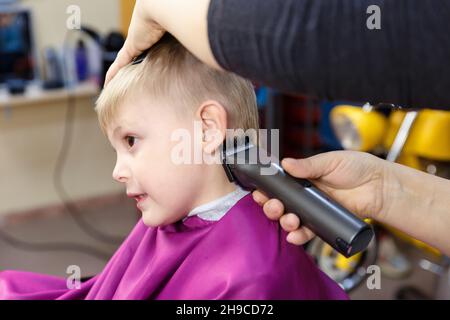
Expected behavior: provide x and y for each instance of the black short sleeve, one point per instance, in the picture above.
(325, 48)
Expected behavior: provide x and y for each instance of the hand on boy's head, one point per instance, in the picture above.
(143, 33)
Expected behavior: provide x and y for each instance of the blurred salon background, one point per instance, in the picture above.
(59, 205)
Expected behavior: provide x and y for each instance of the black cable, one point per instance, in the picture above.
(70, 207)
(54, 246)
(57, 180)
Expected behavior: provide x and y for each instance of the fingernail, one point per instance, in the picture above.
(257, 200)
(288, 238)
(288, 161)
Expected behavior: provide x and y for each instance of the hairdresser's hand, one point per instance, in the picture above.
(354, 179)
(186, 20)
(143, 33)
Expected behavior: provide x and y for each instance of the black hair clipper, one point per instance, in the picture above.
(326, 218)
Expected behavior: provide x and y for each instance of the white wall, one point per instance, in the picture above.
(31, 137)
(50, 18)
(31, 134)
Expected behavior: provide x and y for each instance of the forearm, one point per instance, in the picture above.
(190, 26)
(419, 205)
(325, 48)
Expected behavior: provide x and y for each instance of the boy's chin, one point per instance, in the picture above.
(153, 219)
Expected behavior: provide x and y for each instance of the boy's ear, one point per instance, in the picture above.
(213, 117)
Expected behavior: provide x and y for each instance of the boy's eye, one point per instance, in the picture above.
(130, 140)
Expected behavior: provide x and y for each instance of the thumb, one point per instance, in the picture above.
(124, 57)
(310, 168)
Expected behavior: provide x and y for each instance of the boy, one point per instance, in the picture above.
(200, 237)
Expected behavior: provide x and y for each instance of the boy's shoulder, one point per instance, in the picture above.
(251, 258)
(255, 241)
(246, 256)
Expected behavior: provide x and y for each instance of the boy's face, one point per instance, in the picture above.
(141, 136)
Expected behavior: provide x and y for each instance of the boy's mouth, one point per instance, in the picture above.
(137, 197)
(141, 198)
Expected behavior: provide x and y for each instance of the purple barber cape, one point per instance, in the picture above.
(243, 255)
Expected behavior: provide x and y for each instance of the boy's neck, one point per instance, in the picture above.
(216, 185)
(216, 209)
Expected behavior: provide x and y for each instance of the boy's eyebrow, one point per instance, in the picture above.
(120, 128)
(116, 130)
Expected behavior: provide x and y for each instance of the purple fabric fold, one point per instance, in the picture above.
(244, 255)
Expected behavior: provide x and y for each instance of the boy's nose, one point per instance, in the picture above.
(120, 173)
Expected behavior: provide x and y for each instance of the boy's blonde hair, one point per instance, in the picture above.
(170, 73)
